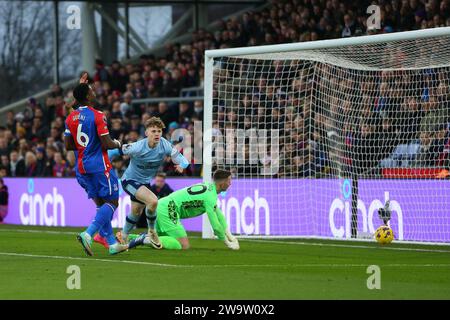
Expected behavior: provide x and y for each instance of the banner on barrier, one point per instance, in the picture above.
(290, 207)
(62, 202)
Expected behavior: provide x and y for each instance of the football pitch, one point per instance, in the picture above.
(34, 263)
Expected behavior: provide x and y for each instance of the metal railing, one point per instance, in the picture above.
(196, 91)
(166, 99)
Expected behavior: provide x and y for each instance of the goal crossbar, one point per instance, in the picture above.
(332, 43)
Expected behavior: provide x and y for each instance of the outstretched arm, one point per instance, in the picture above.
(129, 149)
(217, 227)
(234, 243)
(180, 161)
(108, 143)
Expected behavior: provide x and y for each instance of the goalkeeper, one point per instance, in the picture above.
(188, 203)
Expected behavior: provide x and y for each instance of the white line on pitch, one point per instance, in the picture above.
(38, 231)
(154, 264)
(321, 244)
(87, 259)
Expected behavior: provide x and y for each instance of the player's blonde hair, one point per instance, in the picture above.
(154, 122)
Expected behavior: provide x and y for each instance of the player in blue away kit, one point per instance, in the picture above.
(146, 156)
(88, 136)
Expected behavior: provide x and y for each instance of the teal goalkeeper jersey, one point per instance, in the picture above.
(198, 199)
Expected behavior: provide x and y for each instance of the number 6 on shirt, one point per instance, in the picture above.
(82, 136)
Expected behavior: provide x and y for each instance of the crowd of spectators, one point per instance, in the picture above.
(31, 143)
(329, 120)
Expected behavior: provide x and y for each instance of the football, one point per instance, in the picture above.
(384, 235)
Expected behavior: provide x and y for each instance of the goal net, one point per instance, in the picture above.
(320, 135)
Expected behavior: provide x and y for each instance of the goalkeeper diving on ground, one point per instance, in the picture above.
(188, 203)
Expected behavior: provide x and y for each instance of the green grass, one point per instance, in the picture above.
(300, 269)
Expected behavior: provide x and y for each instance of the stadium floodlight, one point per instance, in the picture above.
(320, 135)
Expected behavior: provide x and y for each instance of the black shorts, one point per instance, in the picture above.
(131, 187)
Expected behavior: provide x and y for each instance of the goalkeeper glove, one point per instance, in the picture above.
(233, 245)
(231, 241)
(229, 236)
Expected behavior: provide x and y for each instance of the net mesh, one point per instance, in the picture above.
(306, 132)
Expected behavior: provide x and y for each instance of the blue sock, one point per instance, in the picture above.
(108, 232)
(151, 218)
(103, 216)
(101, 232)
(105, 232)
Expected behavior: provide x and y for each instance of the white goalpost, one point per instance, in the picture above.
(320, 136)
